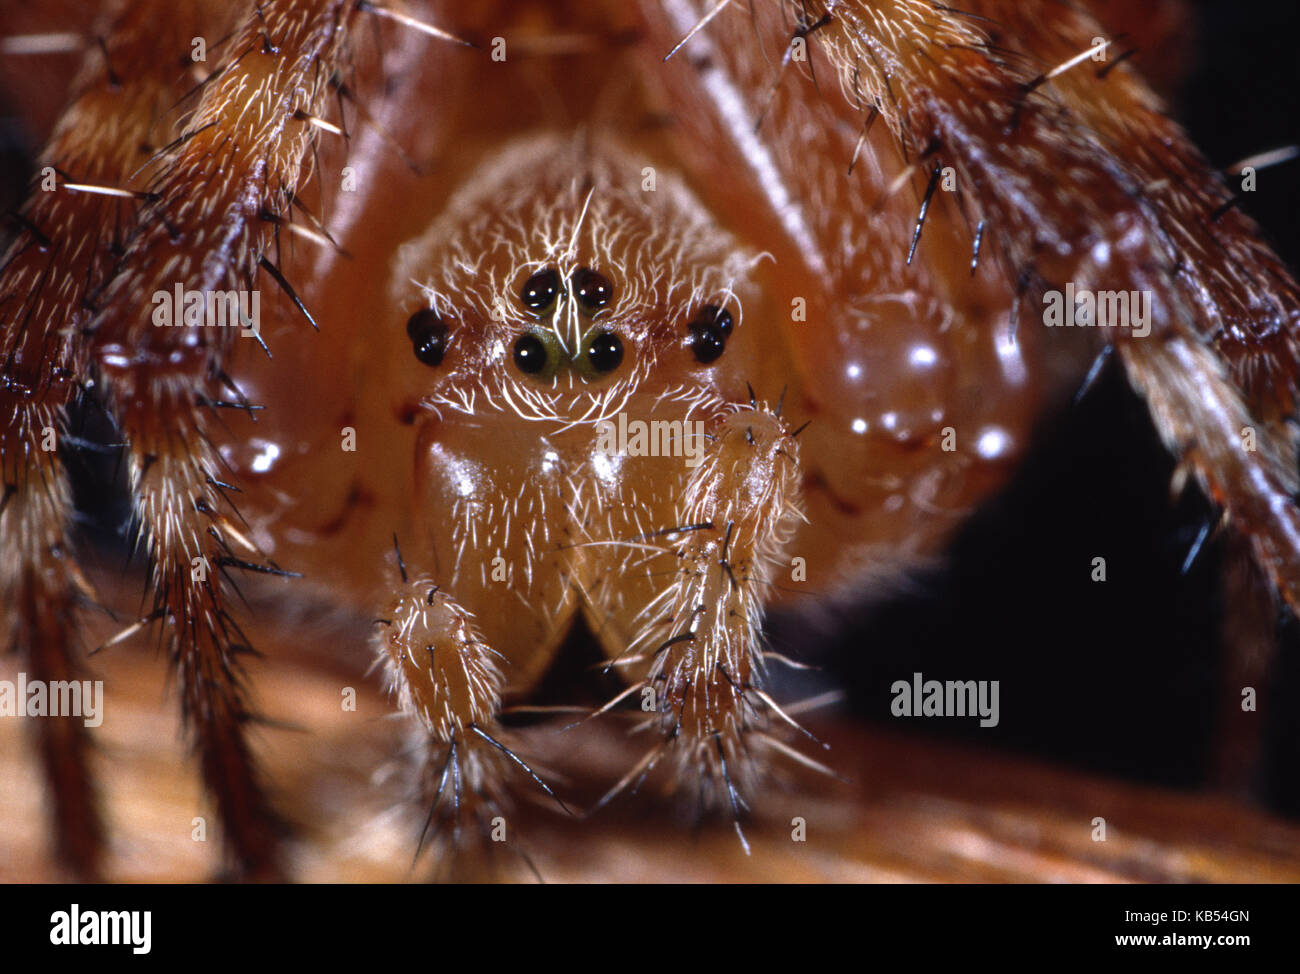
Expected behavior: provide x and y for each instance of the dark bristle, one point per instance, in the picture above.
(280, 279)
(925, 208)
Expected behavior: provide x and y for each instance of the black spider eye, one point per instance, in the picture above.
(592, 289)
(428, 334)
(606, 352)
(709, 330)
(530, 354)
(541, 290)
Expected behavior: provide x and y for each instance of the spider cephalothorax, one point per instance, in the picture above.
(585, 298)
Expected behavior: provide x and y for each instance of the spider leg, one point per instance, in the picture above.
(64, 246)
(241, 154)
(1220, 365)
(1219, 359)
(276, 70)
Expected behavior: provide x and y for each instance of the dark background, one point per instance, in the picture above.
(1127, 677)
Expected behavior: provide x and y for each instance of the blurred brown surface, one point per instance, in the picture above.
(910, 809)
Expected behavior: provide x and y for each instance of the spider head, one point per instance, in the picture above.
(565, 281)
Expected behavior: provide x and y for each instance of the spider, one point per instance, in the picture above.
(647, 317)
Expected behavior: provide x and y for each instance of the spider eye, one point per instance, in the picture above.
(530, 354)
(592, 289)
(606, 352)
(428, 334)
(709, 331)
(540, 291)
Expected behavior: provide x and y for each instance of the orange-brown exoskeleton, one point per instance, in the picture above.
(655, 342)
